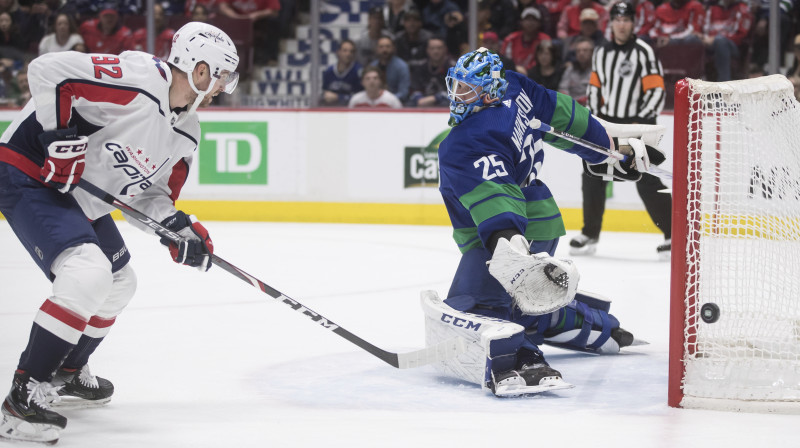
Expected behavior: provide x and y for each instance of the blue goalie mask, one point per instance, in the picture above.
(477, 80)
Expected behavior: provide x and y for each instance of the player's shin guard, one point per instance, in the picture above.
(586, 325)
(492, 343)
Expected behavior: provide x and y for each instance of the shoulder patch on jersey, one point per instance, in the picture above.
(160, 68)
(507, 103)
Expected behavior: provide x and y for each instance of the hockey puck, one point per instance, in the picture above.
(709, 312)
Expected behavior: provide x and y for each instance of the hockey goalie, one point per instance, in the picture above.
(510, 294)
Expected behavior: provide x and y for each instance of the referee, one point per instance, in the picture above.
(626, 86)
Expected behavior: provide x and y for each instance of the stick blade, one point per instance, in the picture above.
(443, 351)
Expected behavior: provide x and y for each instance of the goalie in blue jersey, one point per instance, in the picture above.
(509, 294)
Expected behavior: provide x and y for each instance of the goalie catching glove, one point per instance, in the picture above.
(537, 283)
(196, 248)
(637, 158)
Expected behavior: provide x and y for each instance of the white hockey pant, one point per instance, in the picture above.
(490, 342)
(85, 290)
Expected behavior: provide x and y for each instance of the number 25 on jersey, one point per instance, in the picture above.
(491, 167)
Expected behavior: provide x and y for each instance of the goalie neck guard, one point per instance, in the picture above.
(476, 80)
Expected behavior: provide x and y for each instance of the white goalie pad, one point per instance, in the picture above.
(443, 322)
(538, 283)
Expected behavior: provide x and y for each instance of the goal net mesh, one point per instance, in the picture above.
(743, 245)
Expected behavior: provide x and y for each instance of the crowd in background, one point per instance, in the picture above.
(551, 41)
(412, 42)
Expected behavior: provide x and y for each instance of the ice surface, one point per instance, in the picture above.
(204, 360)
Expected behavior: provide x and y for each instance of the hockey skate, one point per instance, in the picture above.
(582, 245)
(81, 389)
(26, 412)
(530, 379)
(664, 250)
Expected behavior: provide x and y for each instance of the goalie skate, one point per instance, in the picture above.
(529, 380)
(26, 412)
(80, 389)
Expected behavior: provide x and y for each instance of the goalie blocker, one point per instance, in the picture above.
(638, 144)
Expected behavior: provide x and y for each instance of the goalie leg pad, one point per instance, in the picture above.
(596, 326)
(492, 343)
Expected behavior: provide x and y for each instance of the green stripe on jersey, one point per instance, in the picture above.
(488, 189)
(495, 206)
(569, 117)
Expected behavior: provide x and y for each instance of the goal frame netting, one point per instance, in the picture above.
(694, 356)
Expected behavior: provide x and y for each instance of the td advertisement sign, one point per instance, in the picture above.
(233, 152)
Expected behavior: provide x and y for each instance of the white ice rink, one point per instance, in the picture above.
(204, 360)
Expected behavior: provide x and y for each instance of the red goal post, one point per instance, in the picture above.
(735, 286)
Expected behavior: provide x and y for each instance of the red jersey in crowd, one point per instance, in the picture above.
(569, 24)
(163, 43)
(521, 52)
(248, 6)
(732, 22)
(554, 6)
(678, 19)
(97, 42)
(645, 18)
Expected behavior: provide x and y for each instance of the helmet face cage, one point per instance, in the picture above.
(477, 76)
(200, 42)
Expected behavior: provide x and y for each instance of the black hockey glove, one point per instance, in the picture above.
(196, 247)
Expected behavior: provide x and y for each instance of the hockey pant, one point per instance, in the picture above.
(87, 263)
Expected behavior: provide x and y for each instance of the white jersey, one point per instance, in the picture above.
(138, 151)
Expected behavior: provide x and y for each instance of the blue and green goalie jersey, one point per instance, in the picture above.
(489, 164)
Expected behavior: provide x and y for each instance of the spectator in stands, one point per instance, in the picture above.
(492, 42)
(163, 43)
(794, 70)
(106, 34)
(589, 29)
(554, 9)
(727, 24)
(569, 24)
(796, 83)
(428, 87)
(433, 15)
(394, 14)
(200, 13)
(760, 47)
(520, 46)
(575, 80)
(412, 42)
(548, 69)
(342, 79)
(678, 22)
(644, 21)
(12, 47)
(755, 71)
(64, 36)
(501, 18)
(395, 70)
(368, 41)
(374, 94)
(456, 33)
(20, 92)
(206, 7)
(265, 23)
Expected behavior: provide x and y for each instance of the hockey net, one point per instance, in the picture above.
(736, 245)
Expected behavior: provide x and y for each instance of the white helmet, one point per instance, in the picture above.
(200, 42)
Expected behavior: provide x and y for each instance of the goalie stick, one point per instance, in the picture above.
(442, 351)
(541, 126)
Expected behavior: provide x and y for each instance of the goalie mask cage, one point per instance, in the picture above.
(736, 245)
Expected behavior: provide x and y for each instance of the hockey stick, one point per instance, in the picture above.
(442, 351)
(541, 126)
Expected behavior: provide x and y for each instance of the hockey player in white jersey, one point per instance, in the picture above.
(127, 124)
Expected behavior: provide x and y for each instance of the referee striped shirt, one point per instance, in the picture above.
(627, 82)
